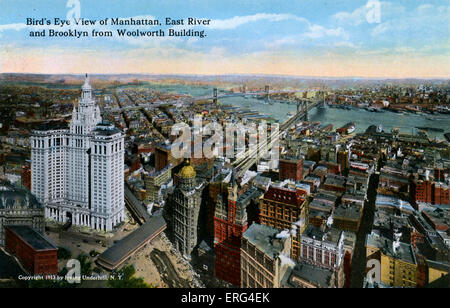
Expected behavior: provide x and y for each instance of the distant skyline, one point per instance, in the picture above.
(403, 39)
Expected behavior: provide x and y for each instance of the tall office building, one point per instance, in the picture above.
(77, 171)
(186, 208)
(281, 208)
(230, 223)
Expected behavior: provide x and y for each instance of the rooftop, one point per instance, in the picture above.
(35, 239)
(317, 276)
(123, 249)
(106, 128)
(404, 251)
(263, 237)
(352, 212)
(11, 196)
(249, 194)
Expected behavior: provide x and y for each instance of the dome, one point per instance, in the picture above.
(187, 171)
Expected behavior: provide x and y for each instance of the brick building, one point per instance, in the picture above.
(291, 169)
(37, 253)
(263, 257)
(230, 223)
(441, 193)
(163, 157)
(430, 192)
(280, 208)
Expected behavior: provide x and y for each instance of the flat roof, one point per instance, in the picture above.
(123, 249)
(313, 274)
(352, 212)
(404, 251)
(35, 239)
(263, 237)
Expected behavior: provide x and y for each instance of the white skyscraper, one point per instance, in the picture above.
(77, 172)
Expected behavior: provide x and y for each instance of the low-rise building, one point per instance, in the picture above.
(37, 253)
(397, 259)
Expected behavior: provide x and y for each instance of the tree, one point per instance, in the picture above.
(85, 264)
(124, 278)
(64, 253)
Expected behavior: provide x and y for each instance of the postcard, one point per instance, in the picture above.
(224, 151)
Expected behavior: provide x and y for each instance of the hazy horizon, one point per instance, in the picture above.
(320, 39)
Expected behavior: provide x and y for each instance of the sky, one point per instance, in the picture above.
(322, 38)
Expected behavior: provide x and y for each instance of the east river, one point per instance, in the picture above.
(405, 122)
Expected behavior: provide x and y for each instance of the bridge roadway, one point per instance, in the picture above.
(234, 94)
(251, 156)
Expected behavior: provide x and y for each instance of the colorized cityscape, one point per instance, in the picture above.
(273, 150)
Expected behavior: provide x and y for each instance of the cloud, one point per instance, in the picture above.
(16, 27)
(317, 31)
(356, 17)
(422, 23)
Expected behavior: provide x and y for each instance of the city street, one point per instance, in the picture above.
(359, 256)
(167, 270)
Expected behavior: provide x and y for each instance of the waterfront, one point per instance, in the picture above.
(405, 122)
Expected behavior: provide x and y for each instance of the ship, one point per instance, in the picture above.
(347, 128)
(290, 114)
(433, 129)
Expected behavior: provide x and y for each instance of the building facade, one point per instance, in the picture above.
(323, 248)
(280, 208)
(398, 261)
(291, 169)
(78, 172)
(264, 257)
(230, 223)
(38, 254)
(19, 207)
(186, 201)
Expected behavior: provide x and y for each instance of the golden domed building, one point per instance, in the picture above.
(187, 172)
(186, 201)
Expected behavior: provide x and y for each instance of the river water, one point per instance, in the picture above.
(406, 122)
